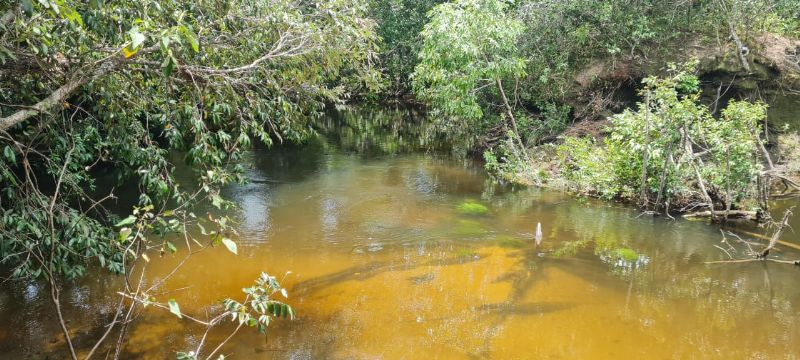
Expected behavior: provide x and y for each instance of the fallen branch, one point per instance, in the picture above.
(736, 214)
(762, 255)
(792, 262)
(764, 237)
(777, 234)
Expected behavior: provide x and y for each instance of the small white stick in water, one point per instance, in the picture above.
(538, 235)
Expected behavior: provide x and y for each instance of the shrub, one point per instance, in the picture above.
(670, 148)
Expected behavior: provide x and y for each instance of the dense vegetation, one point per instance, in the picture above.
(99, 90)
(512, 76)
(671, 150)
(107, 89)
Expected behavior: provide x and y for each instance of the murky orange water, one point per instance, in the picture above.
(385, 267)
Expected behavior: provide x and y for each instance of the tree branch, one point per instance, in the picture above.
(63, 92)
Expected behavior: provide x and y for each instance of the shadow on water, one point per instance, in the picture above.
(372, 269)
(525, 309)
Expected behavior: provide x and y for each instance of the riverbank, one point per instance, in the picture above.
(676, 150)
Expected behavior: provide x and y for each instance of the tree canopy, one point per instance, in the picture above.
(96, 85)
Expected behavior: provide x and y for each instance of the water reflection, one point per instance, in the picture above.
(386, 266)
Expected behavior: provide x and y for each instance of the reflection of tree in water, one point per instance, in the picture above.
(493, 315)
(379, 131)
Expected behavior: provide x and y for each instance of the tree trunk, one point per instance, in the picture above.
(510, 112)
(646, 151)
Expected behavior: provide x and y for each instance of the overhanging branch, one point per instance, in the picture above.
(62, 93)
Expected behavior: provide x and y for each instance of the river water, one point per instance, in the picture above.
(385, 264)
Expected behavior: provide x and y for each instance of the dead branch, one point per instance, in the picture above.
(740, 214)
(763, 254)
(792, 262)
(763, 237)
(777, 234)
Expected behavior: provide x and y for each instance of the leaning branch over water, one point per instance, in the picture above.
(762, 255)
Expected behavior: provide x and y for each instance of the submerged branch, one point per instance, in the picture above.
(777, 234)
(763, 254)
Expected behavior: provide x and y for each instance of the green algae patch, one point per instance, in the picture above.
(472, 208)
(466, 253)
(510, 242)
(470, 228)
(570, 248)
(627, 254)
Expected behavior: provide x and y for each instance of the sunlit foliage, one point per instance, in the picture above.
(671, 149)
(97, 87)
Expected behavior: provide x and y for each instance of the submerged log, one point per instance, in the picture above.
(732, 214)
(768, 238)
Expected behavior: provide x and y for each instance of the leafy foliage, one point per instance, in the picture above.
(257, 311)
(114, 87)
(467, 46)
(399, 25)
(673, 147)
(566, 50)
(260, 308)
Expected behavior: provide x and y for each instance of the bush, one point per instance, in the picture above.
(670, 148)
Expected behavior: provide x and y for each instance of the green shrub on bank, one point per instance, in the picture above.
(671, 149)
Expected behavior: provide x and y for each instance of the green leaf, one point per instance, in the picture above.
(137, 38)
(71, 15)
(191, 38)
(126, 221)
(174, 308)
(124, 233)
(216, 201)
(230, 244)
(168, 65)
(9, 154)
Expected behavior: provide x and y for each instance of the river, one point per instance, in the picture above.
(386, 263)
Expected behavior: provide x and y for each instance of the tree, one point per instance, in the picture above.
(469, 48)
(99, 88)
(399, 25)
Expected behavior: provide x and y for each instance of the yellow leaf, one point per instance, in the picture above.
(128, 52)
(145, 257)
